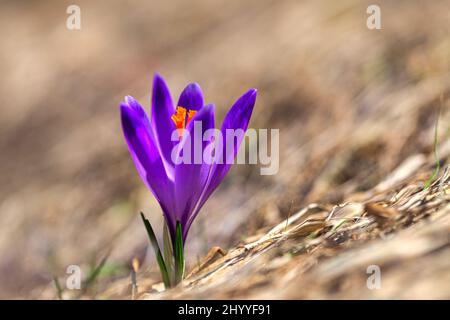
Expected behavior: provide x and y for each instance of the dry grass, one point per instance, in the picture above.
(323, 252)
(356, 112)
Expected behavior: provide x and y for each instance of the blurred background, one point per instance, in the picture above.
(350, 103)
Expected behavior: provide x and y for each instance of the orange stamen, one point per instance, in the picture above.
(179, 119)
(191, 114)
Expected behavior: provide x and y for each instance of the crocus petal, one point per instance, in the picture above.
(191, 178)
(237, 118)
(162, 124)
(192, 97)
(145, 154)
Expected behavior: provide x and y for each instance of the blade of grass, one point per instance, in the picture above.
(338, 225)
(168, 253)
(58, 287)
(179, 254)
(93, 275)
(159, 257)
(436, 154)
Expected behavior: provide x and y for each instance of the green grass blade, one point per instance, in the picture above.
(95, 272)
(179, 254)
(59, 289)
(436, 155)
(159, 257)
(168, 253)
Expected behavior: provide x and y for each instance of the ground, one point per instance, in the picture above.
(356, 109)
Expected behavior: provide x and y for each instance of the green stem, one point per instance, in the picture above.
(159, 257)
(179, 254)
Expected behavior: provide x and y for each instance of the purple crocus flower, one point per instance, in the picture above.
(180, 188)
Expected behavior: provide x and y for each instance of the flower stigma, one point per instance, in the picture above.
(179, 118)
